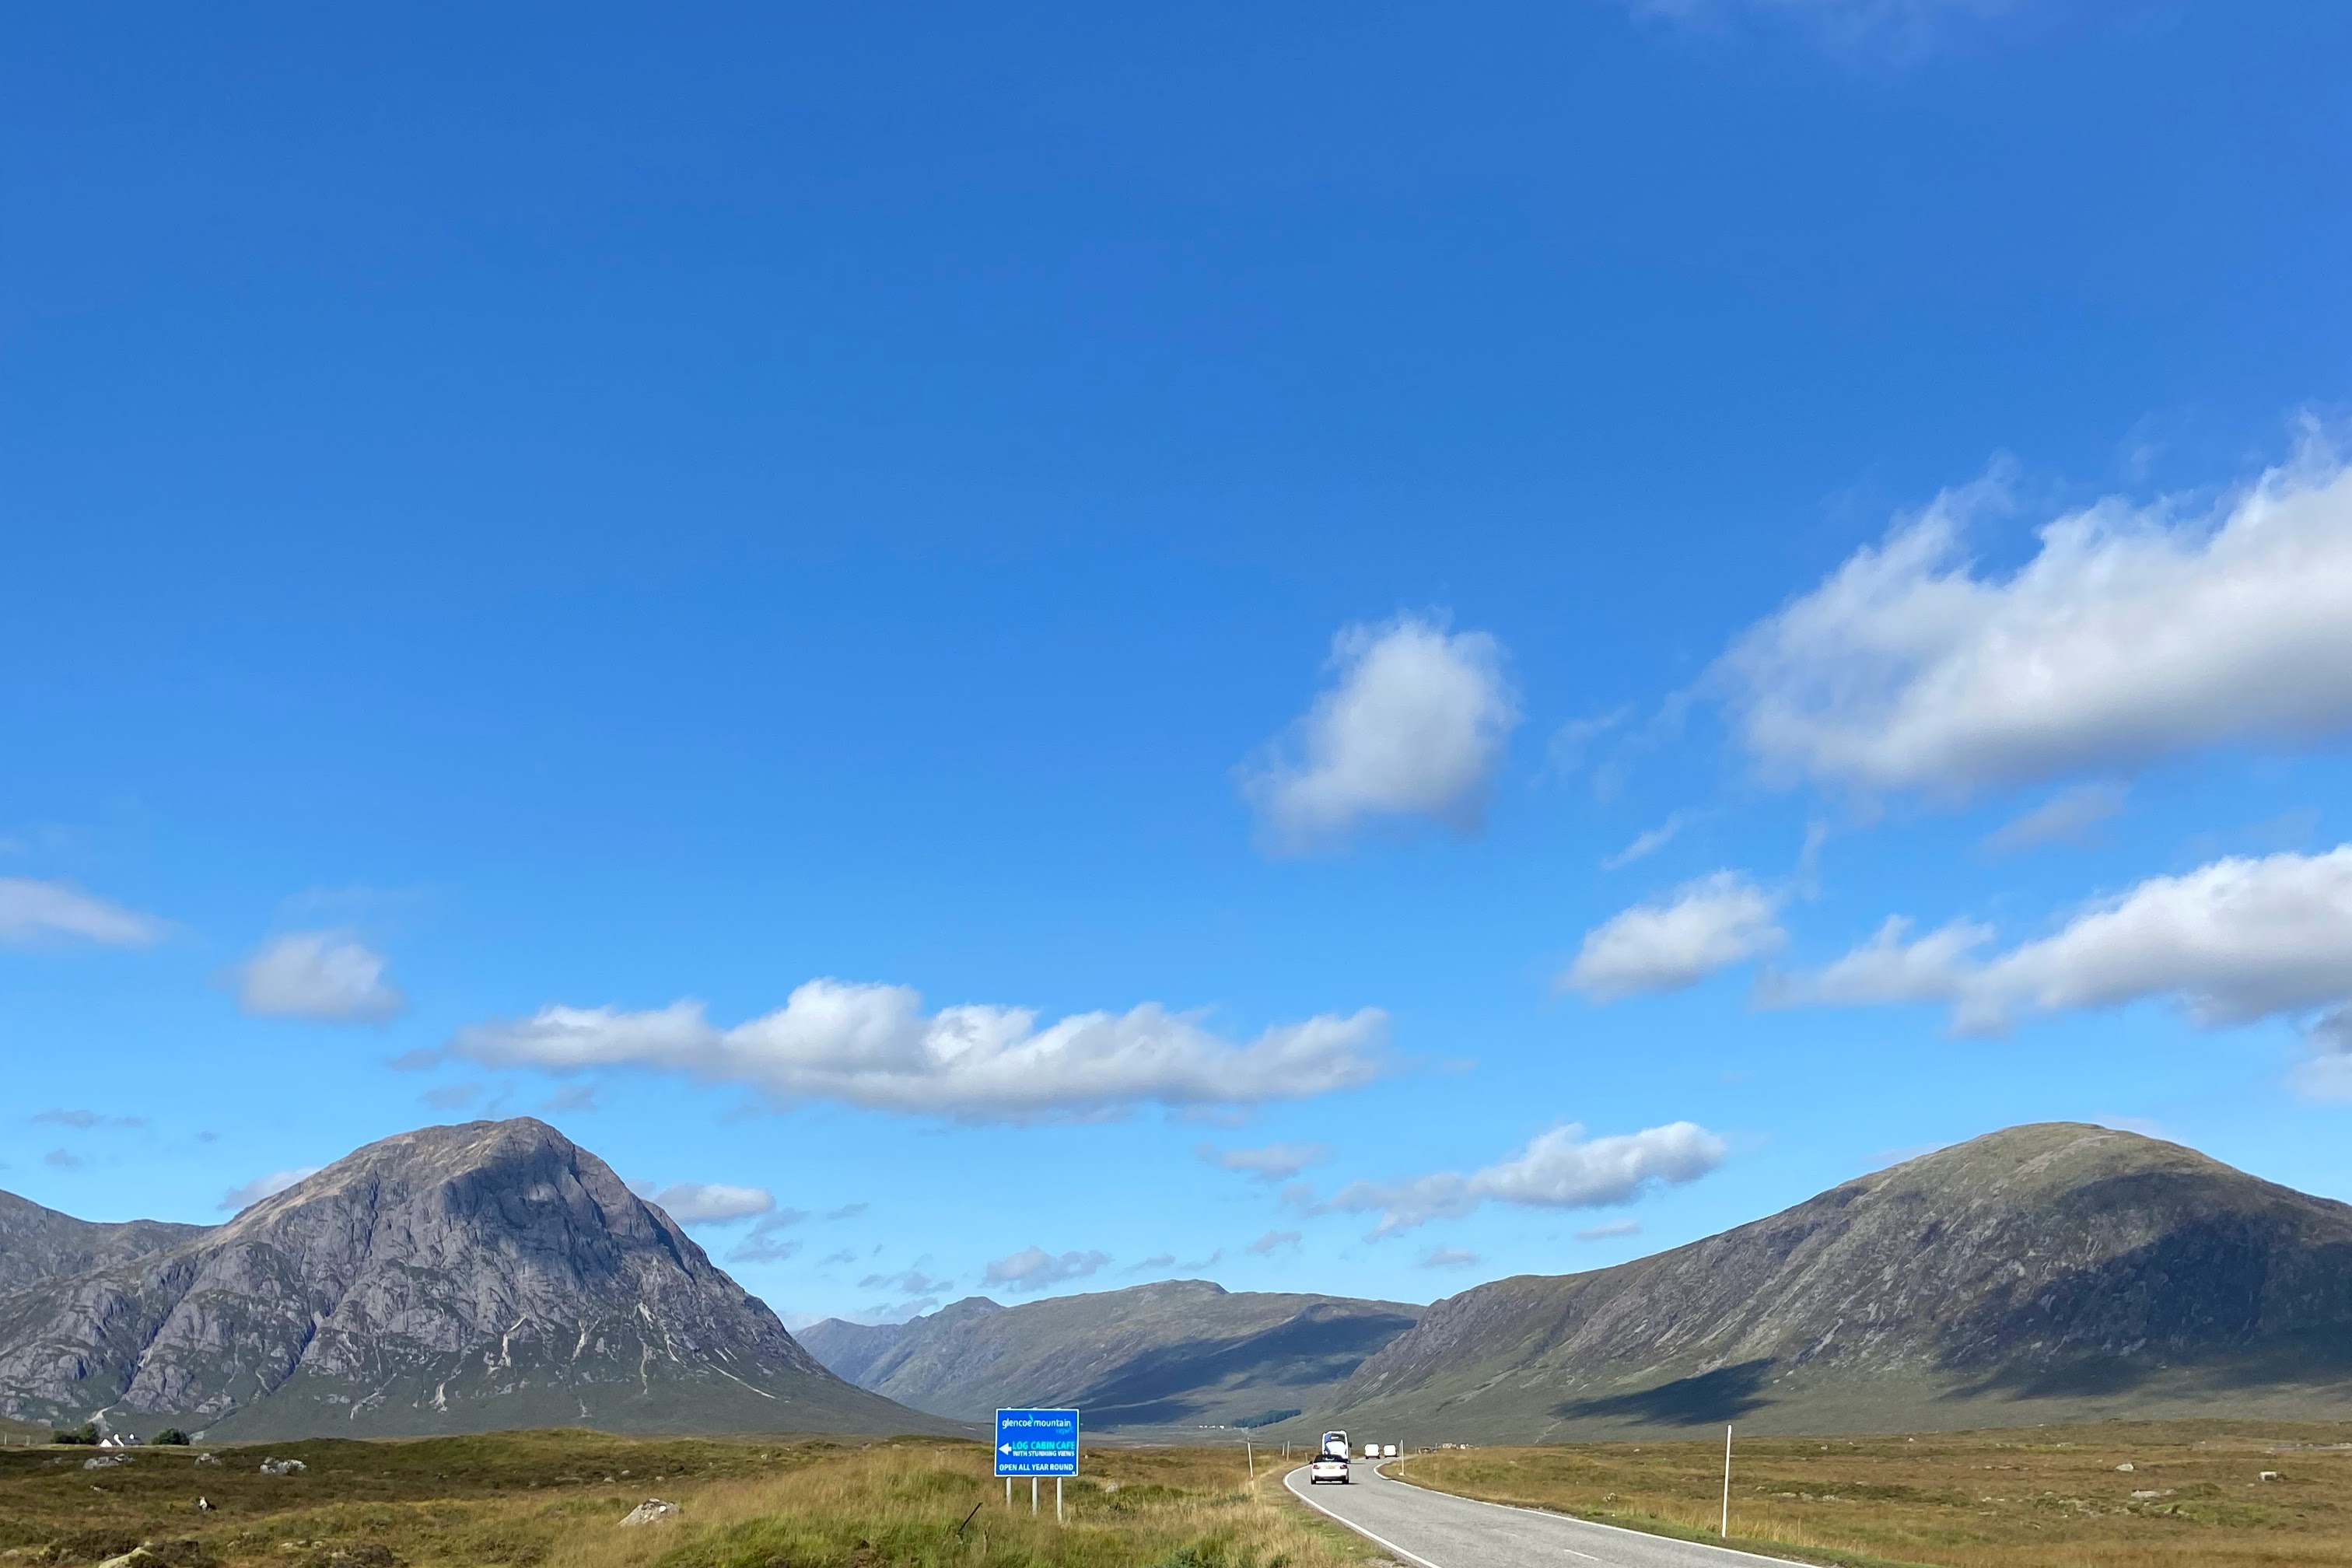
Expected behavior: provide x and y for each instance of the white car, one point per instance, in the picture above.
(1326, 1467)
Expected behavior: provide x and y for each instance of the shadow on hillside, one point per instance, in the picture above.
(2299, 1360)
(1723, 1394)
(1170, 1384)
(2224, 1300)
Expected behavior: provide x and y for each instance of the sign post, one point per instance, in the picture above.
(1036, 1443)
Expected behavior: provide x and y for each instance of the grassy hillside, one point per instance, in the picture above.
(2057, 1272)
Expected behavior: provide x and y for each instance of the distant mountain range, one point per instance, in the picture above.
(1180, 1354)
(495, 1275)
(2044, 1273)
(453, 1279)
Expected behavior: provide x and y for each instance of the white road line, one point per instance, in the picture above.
(1579, 1519)
(1352, 1525)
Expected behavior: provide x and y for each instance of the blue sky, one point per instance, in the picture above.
(1025, 649)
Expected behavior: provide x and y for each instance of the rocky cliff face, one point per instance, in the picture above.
(455, 1278)
(2042, 1271)
(1179, 1353)
(38, 1243)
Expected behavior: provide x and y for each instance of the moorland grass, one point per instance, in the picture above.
(553, 1500)
(2033, 1498)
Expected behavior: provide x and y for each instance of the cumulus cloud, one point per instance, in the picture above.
(1274, 1163)
(1157, 1261)
(1035, 1268)
(1272, 1242)
(329, 976)
(1889, 968)
(2133, 634)
(1448, 1258)
(873, 1047)
(1560, 1169)
(1612, 1231)
(2232, 942)
(33, 912)
(1414, 726)
(239, 1198)
(1706, 925)
(2067, 817)
(706, 1202)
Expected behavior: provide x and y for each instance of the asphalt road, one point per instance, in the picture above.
(1435, 1530)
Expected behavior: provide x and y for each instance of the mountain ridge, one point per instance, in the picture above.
(1173, 1354)
(2047, 1271)
(488, 1274)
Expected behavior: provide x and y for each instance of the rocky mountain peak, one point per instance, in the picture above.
(456, 1277)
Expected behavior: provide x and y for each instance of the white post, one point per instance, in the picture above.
(1250, 1453)
(1726, 1532)
(1008, 1491)
(1058, 1499)
(1033, 1497)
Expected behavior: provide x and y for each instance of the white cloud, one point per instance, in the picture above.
(1560, 1169)
(1415, 725)
(1035, 1268)
(1448, 1258)
(705, 1202)
(873, 1046)
(2232, 942)
(1274, 1163)
(260, 1187)
(2133, 634)
(326, 975)
(1272, 1242)
(1884, 970)
(1706, 925)
(1644, 845)
(2326, 1074)
(1612, 1231)
(2065, 818)
(33, 911)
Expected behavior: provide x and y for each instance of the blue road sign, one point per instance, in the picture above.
(1036, 1442)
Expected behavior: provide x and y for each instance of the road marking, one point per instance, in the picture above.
(1360, 1530)
(1382, 1472)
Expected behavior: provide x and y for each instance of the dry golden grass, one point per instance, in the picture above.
(2036, 1498)
(553, 1500)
